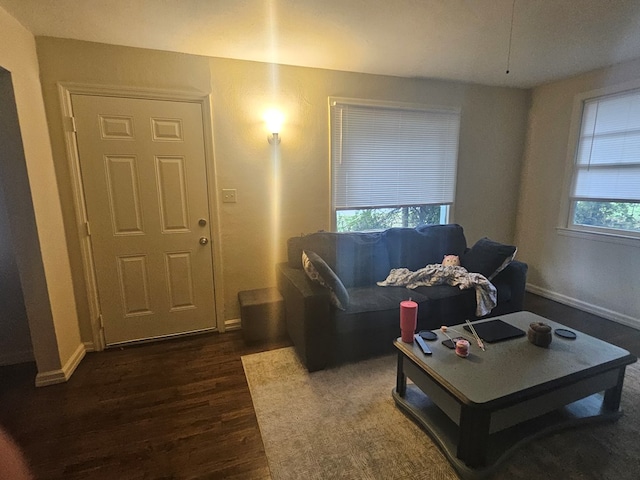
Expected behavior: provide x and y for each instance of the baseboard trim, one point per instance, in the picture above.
(14, 358)
(52, 377)
(232, 324)
(584, 306)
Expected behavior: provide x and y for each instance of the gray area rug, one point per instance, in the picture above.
(342, 423)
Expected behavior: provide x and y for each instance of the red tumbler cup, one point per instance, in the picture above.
(408, 320)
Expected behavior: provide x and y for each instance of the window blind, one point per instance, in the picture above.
(390, 157)
(607, 164)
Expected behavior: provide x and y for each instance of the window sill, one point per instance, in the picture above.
(605, 237)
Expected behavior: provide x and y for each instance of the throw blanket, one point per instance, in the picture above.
(438, 274)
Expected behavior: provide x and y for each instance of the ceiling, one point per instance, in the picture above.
(464, 40)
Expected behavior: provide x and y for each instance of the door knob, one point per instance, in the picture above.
(204, 240)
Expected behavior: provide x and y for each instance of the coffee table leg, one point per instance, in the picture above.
(612, 397)
(401, 378)
(473, 436)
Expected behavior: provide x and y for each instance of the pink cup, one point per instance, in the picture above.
(408, 320)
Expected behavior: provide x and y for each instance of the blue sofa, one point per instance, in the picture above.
(368, 322)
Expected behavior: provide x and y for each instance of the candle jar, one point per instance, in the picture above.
(408, 320)
(462, 348)
(539, 334)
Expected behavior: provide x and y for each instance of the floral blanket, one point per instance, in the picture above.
(438, 274)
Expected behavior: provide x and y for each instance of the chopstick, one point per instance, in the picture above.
(444, 329)
(473, 330)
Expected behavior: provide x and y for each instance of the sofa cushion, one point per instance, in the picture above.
(320, 243)
(318, 271)
(356, 258)
(445, 305)
(373, 298)
(361, 259)
(371, 308)
(488, 257)
(414, 248)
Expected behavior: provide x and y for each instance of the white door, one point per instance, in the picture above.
(145, 185)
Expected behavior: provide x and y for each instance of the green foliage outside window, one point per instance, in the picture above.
(616, 215)
(383, 218)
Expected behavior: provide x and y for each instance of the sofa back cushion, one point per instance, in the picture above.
(320, 242)
(414, 248)
(358, 259)
(361, 259)
(488, 257)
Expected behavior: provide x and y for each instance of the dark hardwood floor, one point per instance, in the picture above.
(174, 409)
(612, 332)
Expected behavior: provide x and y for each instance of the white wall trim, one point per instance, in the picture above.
(73, 160)
(564, 216)
(65, 91)
(232, 324)
(584, 306)
(13, 358)
(603, 236)
(52, 377)
(216, 226)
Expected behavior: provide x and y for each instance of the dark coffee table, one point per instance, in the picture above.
(481, 408)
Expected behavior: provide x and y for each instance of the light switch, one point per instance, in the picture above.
(229, 195)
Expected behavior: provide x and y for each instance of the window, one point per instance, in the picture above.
(605, 188)
(392, 165)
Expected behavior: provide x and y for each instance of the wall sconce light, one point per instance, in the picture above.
(274, 118)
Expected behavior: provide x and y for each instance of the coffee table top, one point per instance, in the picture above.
(516, 366)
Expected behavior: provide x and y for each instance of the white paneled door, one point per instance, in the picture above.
(145, 184)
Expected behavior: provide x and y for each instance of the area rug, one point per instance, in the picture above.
(342, 423)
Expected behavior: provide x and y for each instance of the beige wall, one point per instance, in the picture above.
(491, 142)
(588, 273)
(32, 203)
(97, 64)
(285, 192)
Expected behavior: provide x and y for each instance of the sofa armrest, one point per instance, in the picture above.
(514, 275)
(307, 314)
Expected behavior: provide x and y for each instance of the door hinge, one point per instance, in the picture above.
(87, 229)
(101, 320)
(71, 124)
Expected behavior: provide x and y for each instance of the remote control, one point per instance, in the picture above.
(423, 346)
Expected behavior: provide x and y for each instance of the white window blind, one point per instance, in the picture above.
(386, 156)
(608, 155)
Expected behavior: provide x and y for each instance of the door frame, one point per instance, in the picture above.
(65, 91)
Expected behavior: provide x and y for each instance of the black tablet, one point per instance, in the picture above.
(496, 331)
